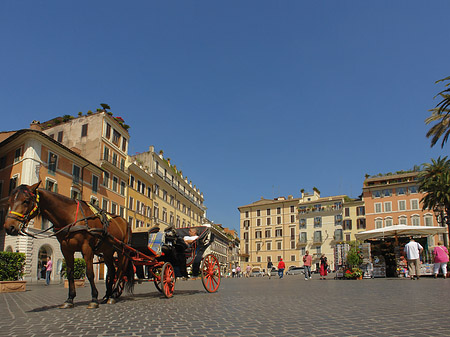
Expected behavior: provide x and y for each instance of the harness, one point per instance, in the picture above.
(24, 219)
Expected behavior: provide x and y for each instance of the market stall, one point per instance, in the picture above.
(387, 248)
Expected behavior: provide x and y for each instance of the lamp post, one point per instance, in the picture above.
(443, 219)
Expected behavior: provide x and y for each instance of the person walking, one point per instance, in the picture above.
(48, 270)
(238, 271)
(413, 250)
(269, 267)
(248, 270)
(323, 267)
(281, 267)
(307, 261)
(440, 254)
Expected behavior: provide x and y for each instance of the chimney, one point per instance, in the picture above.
(35, 125)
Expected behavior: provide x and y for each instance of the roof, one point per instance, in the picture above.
(268, 202)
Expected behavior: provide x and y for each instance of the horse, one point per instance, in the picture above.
(91, 233)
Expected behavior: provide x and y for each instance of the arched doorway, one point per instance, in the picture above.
(44, 252)
(9, 249)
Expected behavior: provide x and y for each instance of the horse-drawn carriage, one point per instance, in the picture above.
(161, 257)
(82, 227)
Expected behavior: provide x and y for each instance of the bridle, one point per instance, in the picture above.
(24, 219)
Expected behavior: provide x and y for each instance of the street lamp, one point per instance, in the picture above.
(443, 219)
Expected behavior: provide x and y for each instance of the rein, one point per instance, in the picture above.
(24, 219)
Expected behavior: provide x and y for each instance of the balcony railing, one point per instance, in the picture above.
(114, 162)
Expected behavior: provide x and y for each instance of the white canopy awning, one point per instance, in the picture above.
(400, 230)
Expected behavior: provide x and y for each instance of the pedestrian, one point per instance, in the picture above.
(269, 267)
(238, 271)
(323, 267)
(48, 270)
(307, 261)
(413, 250)
(440, 254)
(248, 269)
(233, 272)
(281, 267)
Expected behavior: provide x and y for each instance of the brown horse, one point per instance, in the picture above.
(78, 229)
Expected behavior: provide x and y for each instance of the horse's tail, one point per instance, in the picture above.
(129, 272)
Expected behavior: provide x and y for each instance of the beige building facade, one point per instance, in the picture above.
(354, 219)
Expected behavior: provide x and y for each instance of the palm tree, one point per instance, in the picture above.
(434, 180)
(441, 115)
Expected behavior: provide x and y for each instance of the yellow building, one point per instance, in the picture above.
(139, 197)
(176, 201)
(354, 219)
(269, 230)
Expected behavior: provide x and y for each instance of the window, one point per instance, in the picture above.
(388, 206)
(130, 220)
(122, 188)
(258, 213)
(2, 162)
(360, 224)
(156, 212)
(258, 222)
(258, 235)
(292, 218)
(318, 250)
(347, 211)
(402, 205)
(268, 221)
(400, 191)
(292, 209)
(268, 211)
(52, 162)
(51, 185)
(302, 223)
(338, 234)
(360, 210)
(402, 220)
(258, 246)
(267, 233)
(378, 223)
(415, 204)
(428, 220)
(94, 184)
(412, 189)
(318, 236)
(388, 222)
(122, 164)
(84, 130)
(60, 136)
(106, 179)
(376, 194)
(278, 220)
(347, 225)
(113, 208)
(115, 183)
(303, 237)
(338, 219)
(124, 144)
(105, 203)
(318, 221)
(76, 174)
(114, 159)
(279, 245)
(278, 210)
(108, 131)
(246, 214)
(131, 203)
(278, 232)
(378, 207)
(116, 137)
(75, 194)
(268, 245)
(387, 193)
(106, 153)
(17, 154)
(347, 237)
(131, 183)
(415, 219)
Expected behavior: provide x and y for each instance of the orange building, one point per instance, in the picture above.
(29, 156)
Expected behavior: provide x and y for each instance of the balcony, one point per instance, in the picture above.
(113, 162)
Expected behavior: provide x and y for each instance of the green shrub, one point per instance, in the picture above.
(79, 269)
(12, 266)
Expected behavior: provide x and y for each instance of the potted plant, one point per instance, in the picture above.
(79, 271)
(354, 273)
(11, 271)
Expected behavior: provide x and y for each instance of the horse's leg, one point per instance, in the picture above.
(109, 261)
(88, 255)
(120, 273)
(69, 257)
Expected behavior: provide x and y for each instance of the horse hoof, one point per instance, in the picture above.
(111, 301)
(66, 305)
(93, 305)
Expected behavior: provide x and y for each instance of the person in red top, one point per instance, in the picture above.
(440, 253)
(281, 267)
(307, 261)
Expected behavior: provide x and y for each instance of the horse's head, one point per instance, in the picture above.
(23, 206)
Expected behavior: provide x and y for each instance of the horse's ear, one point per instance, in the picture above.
(35, 186)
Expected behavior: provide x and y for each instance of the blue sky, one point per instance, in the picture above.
(249, 99)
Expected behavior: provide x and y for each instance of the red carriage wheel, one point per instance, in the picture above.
(168, 280)
(210, 273)
(157, 280)
(120, 286)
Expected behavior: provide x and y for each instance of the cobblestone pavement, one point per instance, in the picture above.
(241, 307)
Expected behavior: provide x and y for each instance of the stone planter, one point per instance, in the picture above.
(78, 283)
(12, 286)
